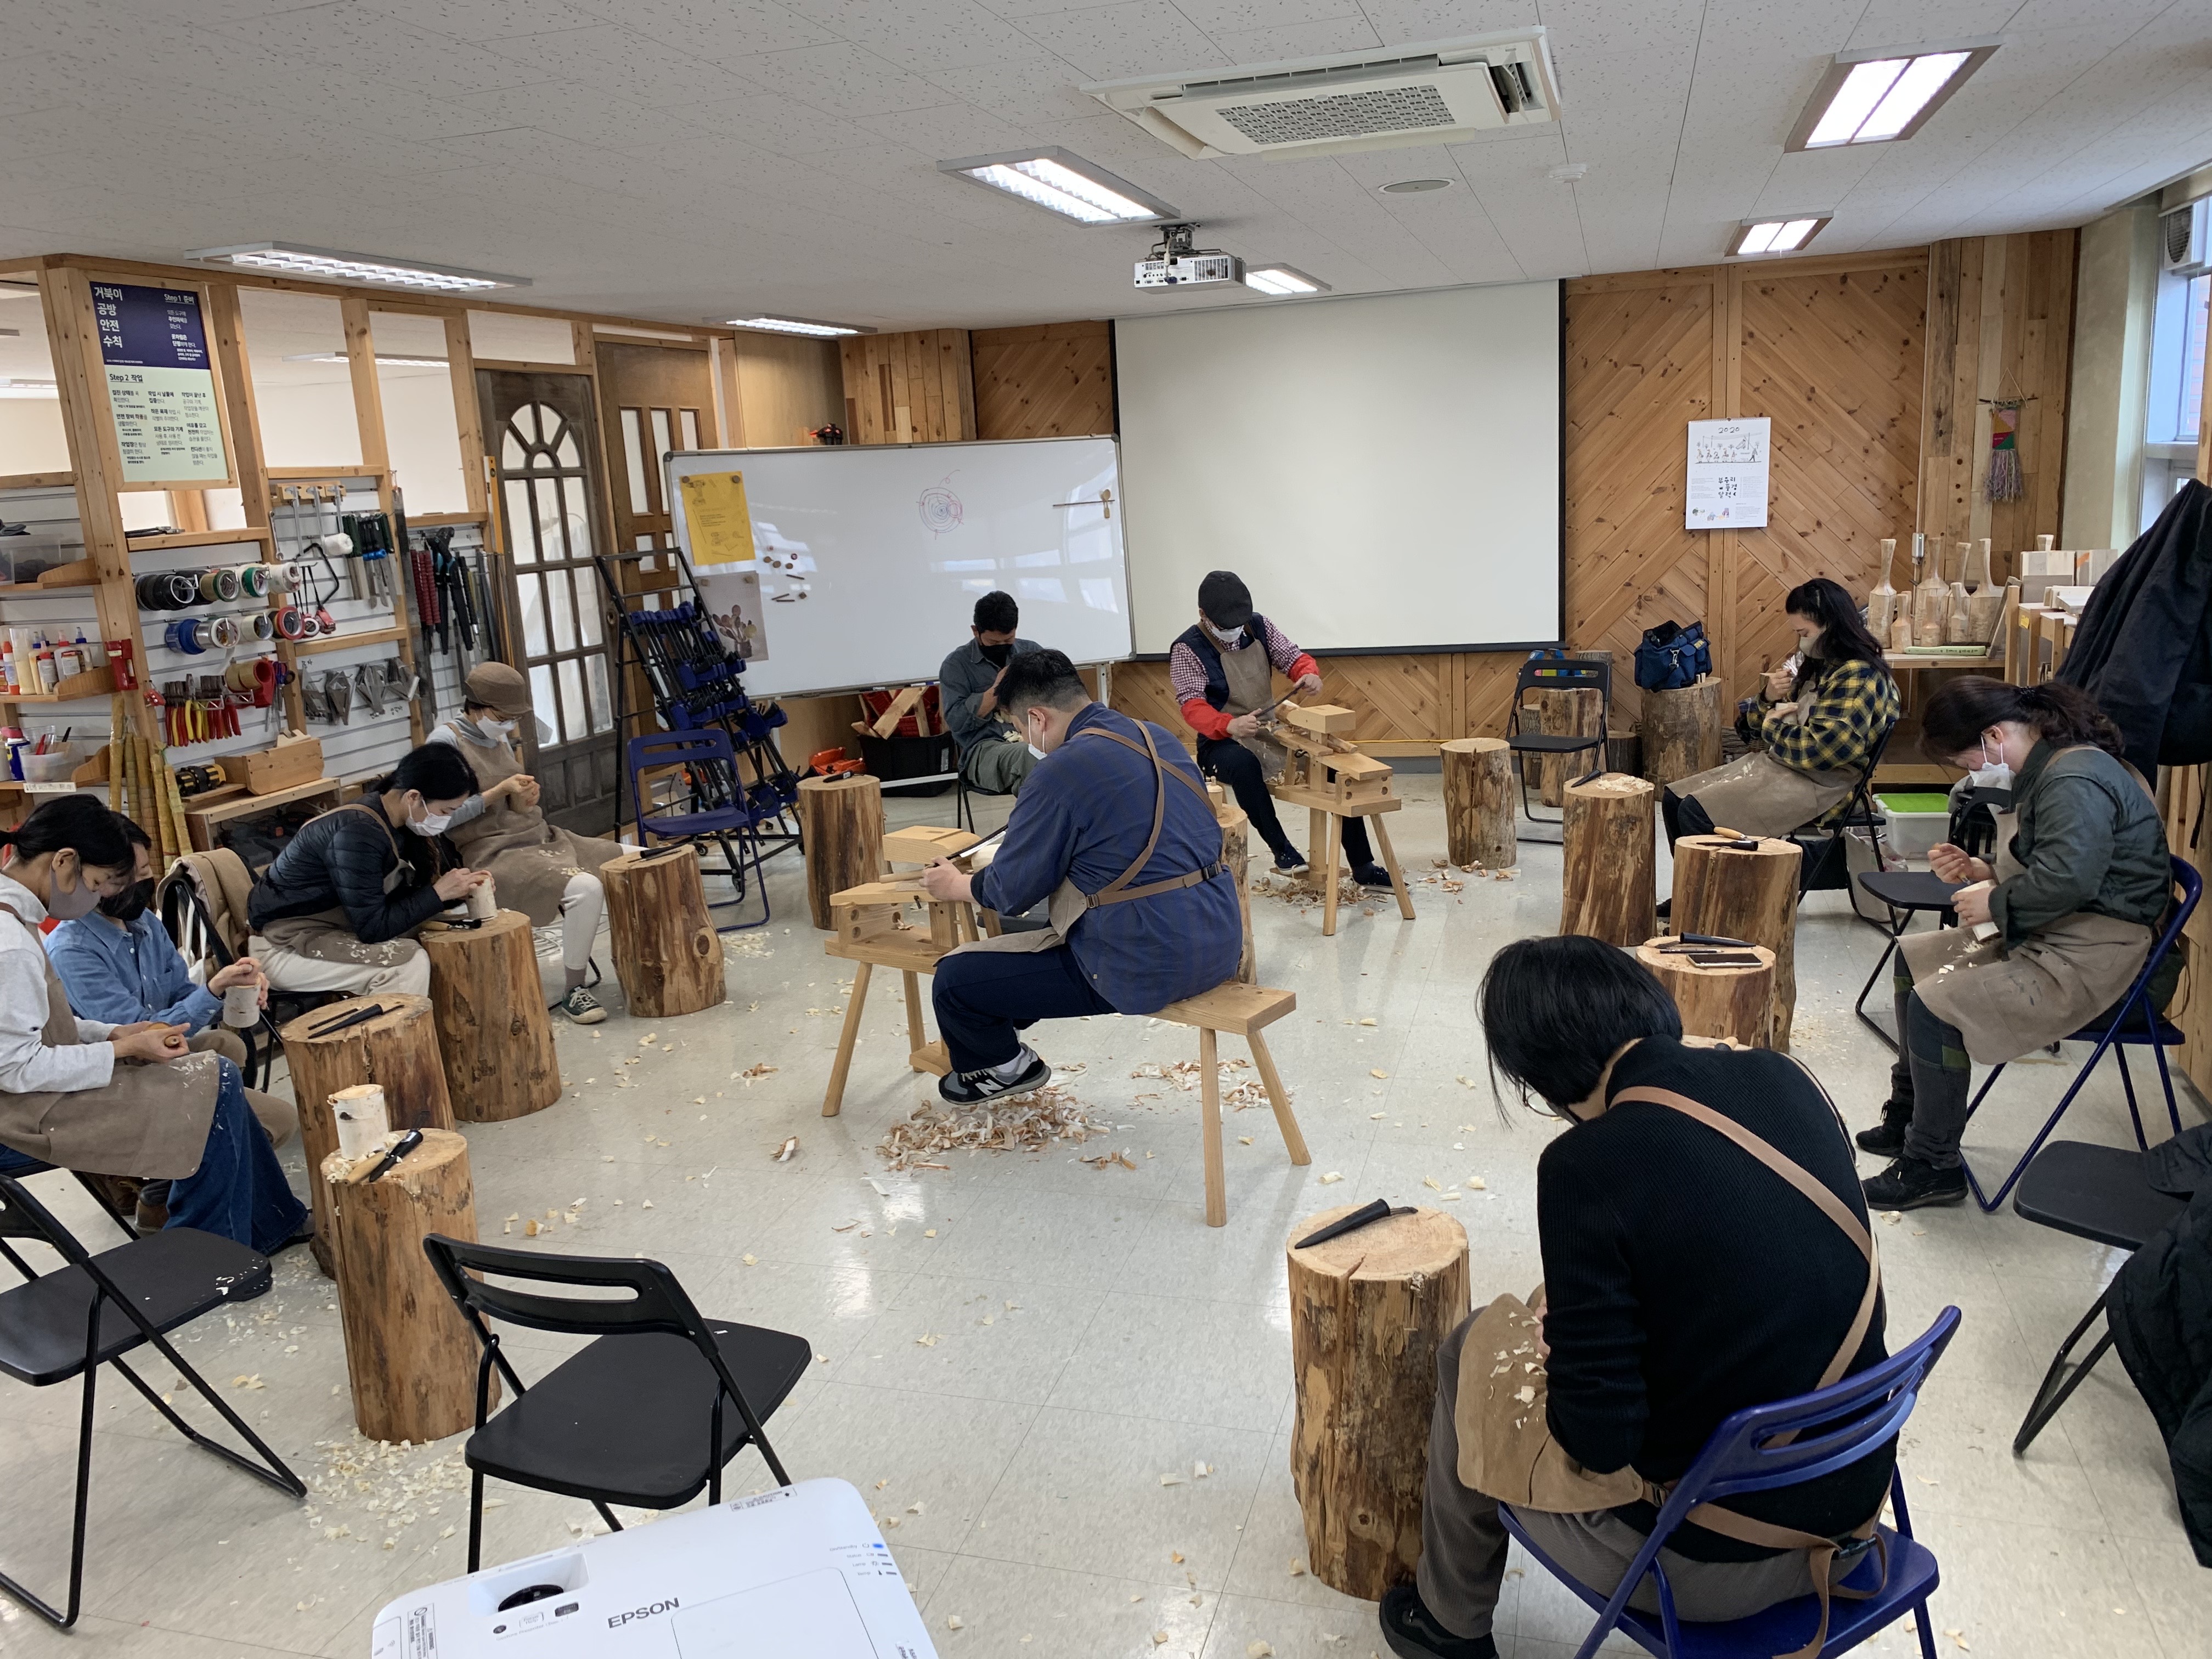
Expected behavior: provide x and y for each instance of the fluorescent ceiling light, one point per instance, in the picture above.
(1872, 97)
(29, 389)
(1064, 183)
(1783, 235)
(1279, 281)
(808, 327)
(383, 359)
(331, 266)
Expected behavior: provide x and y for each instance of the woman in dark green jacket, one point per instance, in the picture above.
(2050, 934)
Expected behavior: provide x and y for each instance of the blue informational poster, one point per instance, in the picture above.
(160, 384)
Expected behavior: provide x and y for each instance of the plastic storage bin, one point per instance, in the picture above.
(1917, 820)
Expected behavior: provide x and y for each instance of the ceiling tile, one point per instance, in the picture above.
(1131, 37)
(1279, 44)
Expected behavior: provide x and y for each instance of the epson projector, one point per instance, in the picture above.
(1175, 262)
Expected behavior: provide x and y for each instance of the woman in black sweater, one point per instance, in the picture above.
(1684, 1281)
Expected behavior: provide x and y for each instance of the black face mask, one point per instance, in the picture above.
(996, 655)
(131, 903)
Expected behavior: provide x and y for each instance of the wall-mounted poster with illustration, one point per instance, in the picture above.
(733, 599)
(1727, 474)
(161, 384)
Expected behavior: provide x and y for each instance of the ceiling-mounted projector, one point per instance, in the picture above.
(1174, 263)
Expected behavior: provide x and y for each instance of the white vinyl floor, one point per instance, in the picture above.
(1018, 1346)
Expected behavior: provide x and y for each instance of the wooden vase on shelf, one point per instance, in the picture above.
(1881, 602)
(1985, 599)
(1931, 596)
(1957, 622)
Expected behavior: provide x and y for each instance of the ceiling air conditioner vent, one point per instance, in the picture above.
(1425, 95)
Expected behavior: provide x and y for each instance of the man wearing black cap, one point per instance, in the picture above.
(1222, 671)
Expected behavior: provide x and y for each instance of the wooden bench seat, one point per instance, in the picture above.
(1242, 1010)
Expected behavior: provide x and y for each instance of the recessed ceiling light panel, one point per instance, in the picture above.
(813, 328)
(1280, 282)
(1415, 186)
(20, 389)
(383, 359)
(1777, 233)
(1872, 97)
(1063, 183)
(330, 265)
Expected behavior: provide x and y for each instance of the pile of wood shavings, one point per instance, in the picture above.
(1237, 1092)
(1031, 1124)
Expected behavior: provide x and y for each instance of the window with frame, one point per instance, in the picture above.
(2176, 397)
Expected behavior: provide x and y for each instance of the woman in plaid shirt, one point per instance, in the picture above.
(1818, 726)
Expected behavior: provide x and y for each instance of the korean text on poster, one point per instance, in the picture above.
(161, 386)
(1728, 475)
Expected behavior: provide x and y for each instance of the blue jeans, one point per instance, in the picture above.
(239, 1190)
(983, 997)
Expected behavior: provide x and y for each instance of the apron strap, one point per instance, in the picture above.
(1118, 891)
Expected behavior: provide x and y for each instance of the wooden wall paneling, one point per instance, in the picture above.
(915, 387)
(1047, 380)
(468, 416)
(780, 387)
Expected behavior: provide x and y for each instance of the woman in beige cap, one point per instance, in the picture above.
(538, 867)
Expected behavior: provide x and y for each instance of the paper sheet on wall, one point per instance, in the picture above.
(161, 386)
(716, 519)
(1728, 475)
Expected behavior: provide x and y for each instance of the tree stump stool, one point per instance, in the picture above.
(1681, 730)
(396, 1050)
(1242, 1010)
(1748, 894)
(410, 1355)
(840, 824)
(1478, 804)
(1578, 713)
(1236, 854)
(1734, 1003)
(1368, 1313)
(493, 1030)
(667, 954)
(1607, 888)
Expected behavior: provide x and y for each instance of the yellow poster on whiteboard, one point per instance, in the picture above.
(720, 524)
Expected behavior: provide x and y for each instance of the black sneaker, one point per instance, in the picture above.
(1371, 875)
(973, 1088)
(1410, 1631)
(1912, 1184)
(1290, 863)
(1665, 908)
(1887, 1138)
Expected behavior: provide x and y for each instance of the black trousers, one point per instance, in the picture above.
(983, 998)
(1239, 769)
(1683, 816)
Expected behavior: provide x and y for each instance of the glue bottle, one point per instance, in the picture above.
(49, 675)
(7, 664)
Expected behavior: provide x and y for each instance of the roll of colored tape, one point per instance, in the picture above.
(223, 631)
(252, 579)
(184, 589)
(153, 592)
(262, 625)
(224, 582)
(189, 636)
(293, 623)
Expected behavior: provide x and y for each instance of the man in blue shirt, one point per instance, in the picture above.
(1114, 826)
(120, 965)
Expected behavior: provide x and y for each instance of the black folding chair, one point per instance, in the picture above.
(97, 1309)
(1557, 674)
(1908, 893)
(637, 1418)
(963, 810)
(1824, 863)
(2102, 1193)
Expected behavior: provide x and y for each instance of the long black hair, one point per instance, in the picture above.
(1555, 1011)
(80, 823)
(1844, 635)
(436, 771)
(1955, 717)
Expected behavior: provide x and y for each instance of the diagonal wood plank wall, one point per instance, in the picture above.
(1050, 380)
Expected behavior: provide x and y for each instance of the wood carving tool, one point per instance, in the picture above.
(406, 1144)
(1716, 939)
(1380, 1210)
(359, 1016)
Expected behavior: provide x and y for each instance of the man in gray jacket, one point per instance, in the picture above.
(992, 752)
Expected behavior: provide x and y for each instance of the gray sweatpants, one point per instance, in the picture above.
(1463, 1544)
(999, 766)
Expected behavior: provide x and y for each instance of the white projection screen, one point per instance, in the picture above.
(1383, 472)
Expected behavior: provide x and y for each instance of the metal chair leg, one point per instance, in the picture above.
(1867, 989)
(2051, 1124)
(2063, 1378)
(2165, 1081)
(2128, 1087)
(475, 1519)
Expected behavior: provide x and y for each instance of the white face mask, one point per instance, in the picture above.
(1227, 636)
(431, 823)
(494, 727)
(1991, 773)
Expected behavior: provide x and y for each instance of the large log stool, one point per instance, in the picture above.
(841, 823)
(1478, 804)
(409, 1354)
(398, 1050)
(1748, 892)
(1242, 1011)
(493, 1030)
(667, 954)
(1607, 884)
(1577, 712)
(1237, 855)
(1736, 1004)
(1368, 1312)
(1681, 730)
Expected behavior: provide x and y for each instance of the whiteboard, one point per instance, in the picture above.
(1382, 470)
(868, 560)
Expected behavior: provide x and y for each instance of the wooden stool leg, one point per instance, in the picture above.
(1329, 856)
(916, 1034)
(1317, 838)
(1390, 863)
(1209, 1068)
(1279, 1098)
(834, 1099)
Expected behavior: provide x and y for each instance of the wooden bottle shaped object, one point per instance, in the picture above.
(1881, 602)
(1931, 596)
(1958, 624)
(1984, 599)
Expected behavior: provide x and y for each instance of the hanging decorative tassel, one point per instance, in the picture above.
(2005, 481)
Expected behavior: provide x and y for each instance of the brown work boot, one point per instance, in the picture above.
(153, 1206)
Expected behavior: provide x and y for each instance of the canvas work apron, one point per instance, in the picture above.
(2052, 984)
(148, 1121)
(530, 860)
(1069, 902)
(1761, 796)
(328, 935)
(1251, 680)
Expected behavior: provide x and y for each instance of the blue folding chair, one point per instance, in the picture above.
(720, 806)
(1786, 1444)
(2133, 1019)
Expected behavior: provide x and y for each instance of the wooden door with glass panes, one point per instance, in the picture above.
(653, 399)
(539, 428)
